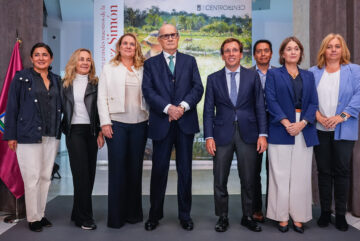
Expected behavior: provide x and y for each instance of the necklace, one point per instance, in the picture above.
(294, 75)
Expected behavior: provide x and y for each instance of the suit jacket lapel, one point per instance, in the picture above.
(68, 93)
(344, 76)
(305, 82)
(178, 66)
(286, 78)
(89, 89)
(223, 88)
(166, 71)
(243, 85)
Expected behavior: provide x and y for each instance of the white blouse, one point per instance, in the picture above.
(80, 114)
(133, 112)
(328, 94)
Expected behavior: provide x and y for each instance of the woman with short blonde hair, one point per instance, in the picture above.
(338, 87)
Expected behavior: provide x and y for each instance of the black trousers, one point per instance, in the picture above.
(246, 162)
(82, 148)
(333, 163)
(125, 152)
(161, 160)
(257, 204)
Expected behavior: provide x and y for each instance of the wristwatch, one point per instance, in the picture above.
(305, 122)
(343, 116)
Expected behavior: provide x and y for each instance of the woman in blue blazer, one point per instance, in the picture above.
(292, 102)
(338, 85)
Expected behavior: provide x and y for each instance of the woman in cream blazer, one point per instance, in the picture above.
(124, 123)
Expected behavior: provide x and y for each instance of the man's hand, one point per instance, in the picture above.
(175, 112)
(107, 131)
(210, 146)
(261, 144)
(12, 144)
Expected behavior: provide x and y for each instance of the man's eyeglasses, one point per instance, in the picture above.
(167, 36)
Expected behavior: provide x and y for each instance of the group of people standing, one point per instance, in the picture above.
(287, 110)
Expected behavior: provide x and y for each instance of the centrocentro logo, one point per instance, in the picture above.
(213, 7)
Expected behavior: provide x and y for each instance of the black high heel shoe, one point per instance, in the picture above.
(283, 229)
(298, 229)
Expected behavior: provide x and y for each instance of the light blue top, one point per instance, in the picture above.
(349, 99)
(262, 76)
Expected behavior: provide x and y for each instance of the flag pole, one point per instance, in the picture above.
(15, 218)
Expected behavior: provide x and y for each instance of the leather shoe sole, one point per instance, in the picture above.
(221, 225)
(151, 225)
(187, 225)
(251, 225)
(45, 222)
(35, 226)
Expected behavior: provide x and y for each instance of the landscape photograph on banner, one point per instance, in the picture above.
(203, 25)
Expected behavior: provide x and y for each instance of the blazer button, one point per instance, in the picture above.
(26, 80)
(35, 100)
(20, 78)
(39, 128)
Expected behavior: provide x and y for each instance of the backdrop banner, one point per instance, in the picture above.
(203, 25)
(108, 27)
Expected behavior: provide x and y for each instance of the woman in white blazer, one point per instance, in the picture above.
(124, 122)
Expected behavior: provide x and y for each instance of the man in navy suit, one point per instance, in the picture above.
(172, 87)
(234, 121)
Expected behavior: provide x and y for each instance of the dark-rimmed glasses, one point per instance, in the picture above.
(167, 36)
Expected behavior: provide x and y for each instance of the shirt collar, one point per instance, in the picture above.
(166, 55)
(257, 68)
(227, 71)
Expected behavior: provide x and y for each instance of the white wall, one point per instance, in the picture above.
(74, 35)
(273, 24)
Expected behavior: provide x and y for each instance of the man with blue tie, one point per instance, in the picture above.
(234, 121)
(172, 87)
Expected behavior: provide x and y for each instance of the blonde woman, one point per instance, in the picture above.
(81, 126)
(338, 87)
(123, 119)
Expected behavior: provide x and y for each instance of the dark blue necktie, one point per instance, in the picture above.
(233, 89)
